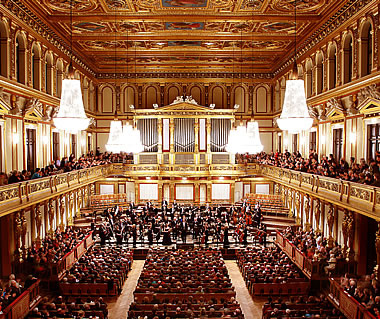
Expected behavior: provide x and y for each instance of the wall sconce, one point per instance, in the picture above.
(184, 178)
(352, 137)
(15, 138)
(221, 177)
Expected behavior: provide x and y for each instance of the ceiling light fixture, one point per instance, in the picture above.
(71, 116)
(295, 116)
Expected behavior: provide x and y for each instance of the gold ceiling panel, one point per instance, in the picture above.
(218, 33)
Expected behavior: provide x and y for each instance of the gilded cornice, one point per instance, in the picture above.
(184, 75)
(28, 17)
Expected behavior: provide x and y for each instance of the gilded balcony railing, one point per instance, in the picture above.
(364, 199)
(16, 196)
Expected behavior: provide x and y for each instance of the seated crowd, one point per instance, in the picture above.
(54, 247)
(313, 245)
(104, 264)
(362, 172)
(300, 307)
(365, 290)
(68, 307)
(65, 165)
(184, 284)
(12, 289)
(267, 265)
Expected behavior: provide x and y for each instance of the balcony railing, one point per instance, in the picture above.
(15, 195)
(361, 198)
(354, 196)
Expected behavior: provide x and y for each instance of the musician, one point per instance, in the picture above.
(131, 206)
(134, 235)
(166, 239)
(150, 235)
(175, 205)
(226, 242)
(183, 228)
(262, 232)
(245, 236)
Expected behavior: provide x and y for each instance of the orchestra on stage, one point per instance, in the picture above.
(178, 223)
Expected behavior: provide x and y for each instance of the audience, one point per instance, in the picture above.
(104, 264)
(12, 289)
(267, 265)
(184, 284)
(69, 307)
(54, 247)
(65, 165)
(329, 166)
(301, 307)
(313, 245)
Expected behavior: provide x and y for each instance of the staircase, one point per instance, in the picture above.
(275, 214)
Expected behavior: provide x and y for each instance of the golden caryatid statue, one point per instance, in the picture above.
(51, 215)
(330, 223)
(61, 211)
(307, 213)
(38, 219)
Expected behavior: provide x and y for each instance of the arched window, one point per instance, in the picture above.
(4, 50)
(49, 73)
(20, 59)
(36, 67)
(309, 79)
(347, 59)
(331, 67)
(366, 49)
(59, 77)
(319, 72)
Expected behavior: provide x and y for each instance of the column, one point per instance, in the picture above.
(37, 217)
(208, 132)
(348, 230)
(232, 200)
(196, 145)
(171, 190)
(137, 197)
(290, 202)
(6, 244)
(171, 127)
(62, 204)
(196, 193)
(377, 245)
(160, 193)
(298, 207)
(51, 215)
(159, 133)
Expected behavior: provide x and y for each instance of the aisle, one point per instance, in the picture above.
(251, 309)
(119, 308)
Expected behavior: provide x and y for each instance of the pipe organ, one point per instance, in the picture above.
(184, 137)
(220, 130)
(184, 133)
(148, 134)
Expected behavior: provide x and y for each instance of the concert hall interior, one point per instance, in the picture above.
(189, 159)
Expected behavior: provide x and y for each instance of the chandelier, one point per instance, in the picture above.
(115, 143)
(245, 139)
(71, 116)
(295, 116)
(132, 141)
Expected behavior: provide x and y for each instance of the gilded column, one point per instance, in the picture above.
(196, 193)
(196, 145)
(137, 197)
(232, 199)
(160, 194)
(171, 127)
(159, 133)
(171, 191)
(208, 132)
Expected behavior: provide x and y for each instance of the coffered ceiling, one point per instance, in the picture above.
(183, 35)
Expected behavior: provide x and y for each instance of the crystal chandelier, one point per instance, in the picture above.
(245, 139)
(115, 143)
(132, 141)
(295, 115)
(71, 116)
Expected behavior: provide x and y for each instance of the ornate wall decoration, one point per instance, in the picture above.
(77, 5)
(85, 27)
(117, 4)
(302, 5)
